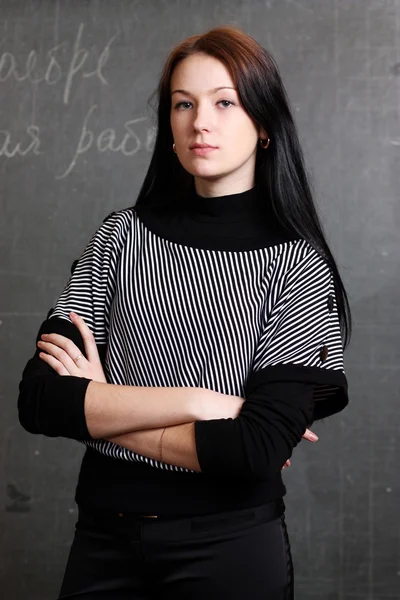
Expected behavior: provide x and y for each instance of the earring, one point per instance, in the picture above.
(174, 147)
(264, 143)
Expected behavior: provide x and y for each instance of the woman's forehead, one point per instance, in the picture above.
(200, 72)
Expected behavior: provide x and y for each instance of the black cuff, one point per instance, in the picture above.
(210, 436)
(54, 406)
(331, 393)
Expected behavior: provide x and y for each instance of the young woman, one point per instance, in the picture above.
(198, 336)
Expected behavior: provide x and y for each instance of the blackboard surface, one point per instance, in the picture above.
(76, 137)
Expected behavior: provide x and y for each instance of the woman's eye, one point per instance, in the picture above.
(226, 103)
(183, 105)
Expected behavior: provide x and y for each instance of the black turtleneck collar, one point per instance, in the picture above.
(229, 208)
(237, 222)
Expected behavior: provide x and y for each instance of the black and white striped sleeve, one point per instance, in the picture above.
(90, 289)
(296, 377)
(302, 340)
(48, 403)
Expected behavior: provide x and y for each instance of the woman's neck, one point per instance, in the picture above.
(222, 187)
(247, 205)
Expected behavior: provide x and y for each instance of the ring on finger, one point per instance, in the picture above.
(78, 358)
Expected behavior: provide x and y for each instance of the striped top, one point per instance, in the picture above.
(169, 306)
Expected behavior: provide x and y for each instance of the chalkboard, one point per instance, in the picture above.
(76, 136)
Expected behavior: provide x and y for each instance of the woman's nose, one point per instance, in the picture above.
(202, 120)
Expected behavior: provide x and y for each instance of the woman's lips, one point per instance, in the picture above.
(202, 151)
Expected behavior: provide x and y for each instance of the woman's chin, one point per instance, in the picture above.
(205, 171)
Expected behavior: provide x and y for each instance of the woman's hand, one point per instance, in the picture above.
(308, 435)
(62, 355)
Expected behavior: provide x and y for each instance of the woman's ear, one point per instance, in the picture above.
(262, 134)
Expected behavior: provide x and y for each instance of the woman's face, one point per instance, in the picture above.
(205, 109)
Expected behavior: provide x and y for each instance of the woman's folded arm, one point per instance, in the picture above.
(79, 408)
(254, 445)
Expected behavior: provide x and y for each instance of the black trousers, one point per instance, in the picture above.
(236, 555)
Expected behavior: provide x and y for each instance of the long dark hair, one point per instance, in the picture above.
(280, 170)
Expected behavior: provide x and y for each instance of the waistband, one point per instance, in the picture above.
(181, 525)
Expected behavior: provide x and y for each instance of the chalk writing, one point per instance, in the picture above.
(53, 70)
(150, 139)
(7, 150)
(106, 140)
(69, 62)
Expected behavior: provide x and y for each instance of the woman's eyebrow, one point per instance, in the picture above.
(212, 91)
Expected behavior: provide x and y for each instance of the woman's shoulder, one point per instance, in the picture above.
(297, 256)
(295, 246)
(116, 223)
(116, 216)
(113, 230)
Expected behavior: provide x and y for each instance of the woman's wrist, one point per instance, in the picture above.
(198, 404)
(208, 404)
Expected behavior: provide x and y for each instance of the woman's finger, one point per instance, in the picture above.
(62, 342)
(54, 363)
(310, 436)
(87, 336)
(63, 349)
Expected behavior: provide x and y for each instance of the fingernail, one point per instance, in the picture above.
(313, 437)
(72, 315)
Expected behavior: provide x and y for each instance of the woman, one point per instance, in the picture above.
(199, 335)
